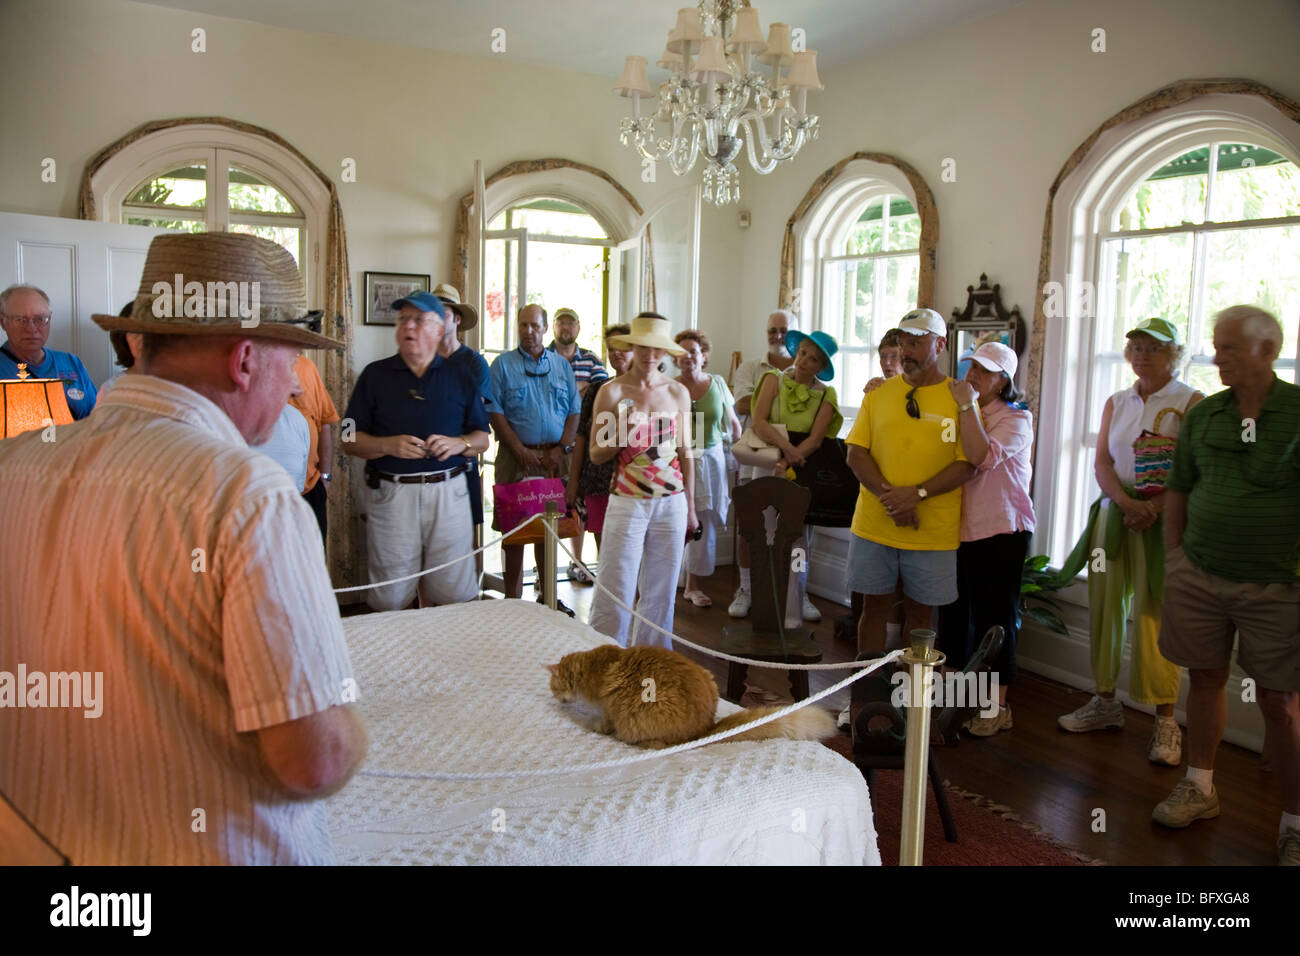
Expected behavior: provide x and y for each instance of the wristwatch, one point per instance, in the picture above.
(327, 476)
(921, 492)
(568, 449)
(965, 408)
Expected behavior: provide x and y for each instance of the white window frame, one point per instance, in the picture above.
(819, 237)
(218, 147)
(1083, 210)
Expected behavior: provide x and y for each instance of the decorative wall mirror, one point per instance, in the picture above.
(984, 319)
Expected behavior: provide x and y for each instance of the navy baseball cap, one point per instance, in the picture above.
(424, 301)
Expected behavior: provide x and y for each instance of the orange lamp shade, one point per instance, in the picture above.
(31, 403)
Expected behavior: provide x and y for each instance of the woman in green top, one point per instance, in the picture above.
(799, 399)
(713, 421)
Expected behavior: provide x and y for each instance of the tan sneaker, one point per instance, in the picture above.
(1166, 743)
(989, 726)
(1288, 848)
(1185, 805)
(1100, 713)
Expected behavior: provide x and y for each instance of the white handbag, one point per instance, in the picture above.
(753, 451)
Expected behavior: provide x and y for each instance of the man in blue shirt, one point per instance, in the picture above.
(534, 412)
(25, 317)
(419, 420)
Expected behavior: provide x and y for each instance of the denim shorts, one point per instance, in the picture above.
(929, 577)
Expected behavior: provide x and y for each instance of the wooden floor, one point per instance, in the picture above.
(1055, 779)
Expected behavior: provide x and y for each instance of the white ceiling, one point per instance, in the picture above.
(593, 37)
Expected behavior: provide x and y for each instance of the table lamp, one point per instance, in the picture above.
(28, 403)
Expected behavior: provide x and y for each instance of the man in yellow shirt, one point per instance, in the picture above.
(906, 451)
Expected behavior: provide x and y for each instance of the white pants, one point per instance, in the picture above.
(641, 545)
(413, 527)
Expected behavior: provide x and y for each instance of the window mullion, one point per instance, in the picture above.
(218, 192)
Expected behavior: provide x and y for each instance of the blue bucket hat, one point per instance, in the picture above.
(424, 301)
(819, 339)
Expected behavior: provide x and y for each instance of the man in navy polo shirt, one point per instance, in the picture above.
(419, 420)
(534, 410)
(25, 317)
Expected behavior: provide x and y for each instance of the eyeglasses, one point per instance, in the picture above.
(913, 409)
(418, 320)
(31, 321)
(776, 330)
(1146, 349)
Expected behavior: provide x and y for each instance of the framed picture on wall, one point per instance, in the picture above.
(385, 288)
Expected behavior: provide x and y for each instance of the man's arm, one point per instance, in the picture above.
(325, 448)
(369, 447)
(743, 387)
(866, 470)
(953, 476)
(1175, 505)
(314, 756)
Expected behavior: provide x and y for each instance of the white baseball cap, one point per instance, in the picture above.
(921, 321)
(996, 357)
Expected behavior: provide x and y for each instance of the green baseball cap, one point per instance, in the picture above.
(1162, 330)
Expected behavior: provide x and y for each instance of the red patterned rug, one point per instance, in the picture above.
(988, 834)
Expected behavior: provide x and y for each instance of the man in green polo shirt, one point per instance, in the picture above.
(1232, 544)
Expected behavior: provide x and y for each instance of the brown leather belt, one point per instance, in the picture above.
(431, 479)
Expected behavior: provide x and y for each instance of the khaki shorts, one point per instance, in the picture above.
(1203, 612)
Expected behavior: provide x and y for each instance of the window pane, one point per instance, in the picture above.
(1142, 278)
(1175, 193)
(287, 236)
(1204, 377)
(501, 281)
(185, 186)
(902, 277)
(904, 226)
(1254, 183)
(867, 234)
(187, 225)
(852, 372)
(550, 217)
(1255, 267)
(564, 276)
(248, 192)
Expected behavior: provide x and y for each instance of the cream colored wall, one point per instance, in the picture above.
(87, 71)
(1009, 98)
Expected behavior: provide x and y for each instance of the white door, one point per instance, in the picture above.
(663, 254)
(84, 267)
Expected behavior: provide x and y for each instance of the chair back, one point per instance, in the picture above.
(770, 564)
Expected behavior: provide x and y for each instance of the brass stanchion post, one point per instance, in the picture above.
(551, 520)
(921, 658)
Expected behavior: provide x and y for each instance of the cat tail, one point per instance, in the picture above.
(808, 723)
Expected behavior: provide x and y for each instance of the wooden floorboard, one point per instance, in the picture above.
(1054, 779)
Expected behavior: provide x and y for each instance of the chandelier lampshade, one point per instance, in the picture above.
(727, 91)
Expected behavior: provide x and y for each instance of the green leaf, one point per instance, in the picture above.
(1036, 563)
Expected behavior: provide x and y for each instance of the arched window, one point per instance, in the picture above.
(205, 177)
(862, 256)
(1176, 214)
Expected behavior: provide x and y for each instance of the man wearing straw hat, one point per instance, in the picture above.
(420, 420)
(213, 671)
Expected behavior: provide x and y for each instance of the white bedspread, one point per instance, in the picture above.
(462, 690)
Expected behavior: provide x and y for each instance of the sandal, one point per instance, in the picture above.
(577, 575)
(698, 598)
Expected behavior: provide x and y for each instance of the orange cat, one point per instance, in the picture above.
(653, 697)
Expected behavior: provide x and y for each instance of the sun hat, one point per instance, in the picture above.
(820, 339)
(221, 283)
(1162, 330)
(424, 301)
(450, 296)
(996, 357)
(921, 321)
(651, 330)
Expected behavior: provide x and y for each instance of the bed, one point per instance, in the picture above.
(462, 689)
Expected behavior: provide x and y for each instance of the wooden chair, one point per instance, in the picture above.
(760, 636)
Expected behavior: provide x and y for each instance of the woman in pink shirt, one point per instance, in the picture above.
(997, 519)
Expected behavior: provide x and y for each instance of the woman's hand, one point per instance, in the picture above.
(872, 385)
(963, 392)
(793, 456)
(692, 523)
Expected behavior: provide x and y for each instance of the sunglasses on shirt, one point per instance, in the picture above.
(913, 409)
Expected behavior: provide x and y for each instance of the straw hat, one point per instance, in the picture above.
(221, 283)
(649, 329)
(450, 296)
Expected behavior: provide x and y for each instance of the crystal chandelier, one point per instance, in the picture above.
(722, 99)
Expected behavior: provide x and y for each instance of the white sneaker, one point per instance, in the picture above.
(1098, 714)
(810, 612)
(741, 603)
(1166, 743)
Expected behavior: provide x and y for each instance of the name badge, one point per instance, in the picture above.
(76, 394)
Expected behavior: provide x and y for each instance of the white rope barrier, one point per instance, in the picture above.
(676, 638)
(644, 755)
(445, 564)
